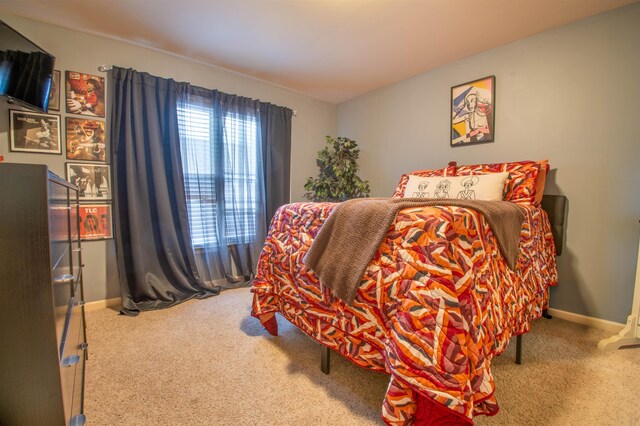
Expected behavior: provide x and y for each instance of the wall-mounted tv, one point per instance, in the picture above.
(25, 70)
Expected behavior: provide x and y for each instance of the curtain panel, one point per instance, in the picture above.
(197, 175)
(275, 126)
(156, 263)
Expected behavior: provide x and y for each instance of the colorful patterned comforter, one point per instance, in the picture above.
(435, 305)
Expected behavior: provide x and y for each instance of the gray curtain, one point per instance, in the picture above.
(156, 263)
(275, 123)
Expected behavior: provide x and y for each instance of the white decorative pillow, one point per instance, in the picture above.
(488, 187)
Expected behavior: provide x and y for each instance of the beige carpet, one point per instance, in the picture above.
(207, 362)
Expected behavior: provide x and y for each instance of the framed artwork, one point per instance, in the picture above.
(54, 93)
(85, 139)
(95, 222)
(93, 180)
(84, 94)
(472, 112)
(34, 132)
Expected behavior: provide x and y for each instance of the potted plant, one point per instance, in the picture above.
(338, 179)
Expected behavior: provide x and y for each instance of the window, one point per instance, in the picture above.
(241, 183)
(220, 174)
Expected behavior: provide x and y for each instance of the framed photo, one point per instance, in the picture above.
(95, 222)
(54, 93)
(85, 139)
(93, 180)
(84, 94)
(472, 112)
(34, 132)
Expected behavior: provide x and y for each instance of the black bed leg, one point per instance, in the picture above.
(519, 349)
(545, 313)
(325, 359)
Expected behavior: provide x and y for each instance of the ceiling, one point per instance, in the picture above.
(331, 50)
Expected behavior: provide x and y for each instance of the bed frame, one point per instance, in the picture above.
(556, 208)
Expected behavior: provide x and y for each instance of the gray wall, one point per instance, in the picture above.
(81, 52)
(570, 95)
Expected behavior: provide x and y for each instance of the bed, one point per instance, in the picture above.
(436, 302)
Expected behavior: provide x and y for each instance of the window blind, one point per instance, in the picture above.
(219, 160)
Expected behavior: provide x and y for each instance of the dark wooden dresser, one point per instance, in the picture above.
(42, 331)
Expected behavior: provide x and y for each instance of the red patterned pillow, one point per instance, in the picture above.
(450, 170)
(542, 180)
(521, 184)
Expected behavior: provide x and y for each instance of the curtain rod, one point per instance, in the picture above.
(105, 68)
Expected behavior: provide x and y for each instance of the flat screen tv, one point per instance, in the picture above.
(25, 70)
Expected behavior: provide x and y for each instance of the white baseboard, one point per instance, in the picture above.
(613, 327)
(102, 304)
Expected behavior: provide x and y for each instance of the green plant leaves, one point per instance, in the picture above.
(338, 179)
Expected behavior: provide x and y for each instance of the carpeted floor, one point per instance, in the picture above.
(207, 362)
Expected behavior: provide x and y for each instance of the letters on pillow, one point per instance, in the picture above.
(488, 187)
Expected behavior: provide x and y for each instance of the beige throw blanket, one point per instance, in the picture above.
(351, 235)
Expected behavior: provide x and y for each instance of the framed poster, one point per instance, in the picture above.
(472, 112)
(93, 180)
(85, 139)
(84, 94)
(95, 222)
(34, 132)
(54, 93)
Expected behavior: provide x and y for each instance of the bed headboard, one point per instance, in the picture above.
(556, 208)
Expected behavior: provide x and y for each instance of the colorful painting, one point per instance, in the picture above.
(85, 139)
(84, 94)
(34, 132)
(472, 112)
(95, 222)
